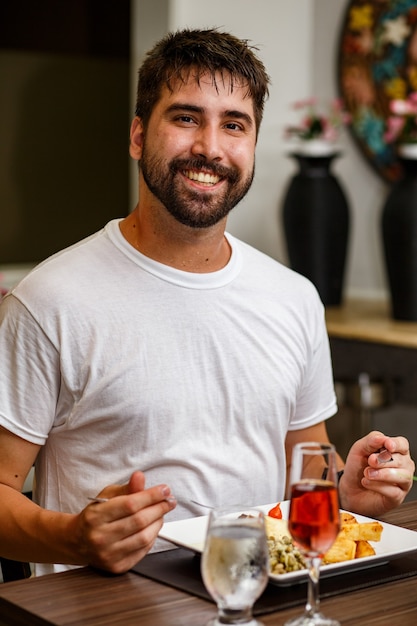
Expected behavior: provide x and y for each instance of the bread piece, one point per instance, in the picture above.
(276, 528)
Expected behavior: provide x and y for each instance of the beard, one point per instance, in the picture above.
(193, 208)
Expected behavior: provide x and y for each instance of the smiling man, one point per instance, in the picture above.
(164, 349)
(196, 148)
(208, 149)
(196, 157)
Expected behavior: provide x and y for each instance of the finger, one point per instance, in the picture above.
(111, 523)
(384, 456)
(124, 533)
(370, 443)
(390, 446)
(120, 507)
(399, 476)
(112, 491)
(144, 539)
(153, 495)
(124, 553)
(400, 445)
(136, 482)
(391, 495)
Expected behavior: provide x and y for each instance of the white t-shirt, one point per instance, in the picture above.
(113, 362)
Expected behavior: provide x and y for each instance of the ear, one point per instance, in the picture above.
(136, 139)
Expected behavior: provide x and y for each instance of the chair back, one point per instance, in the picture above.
(14, 570)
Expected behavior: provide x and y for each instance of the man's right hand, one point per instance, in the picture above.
(116, 534)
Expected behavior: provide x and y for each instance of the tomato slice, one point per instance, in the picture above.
(276, 512)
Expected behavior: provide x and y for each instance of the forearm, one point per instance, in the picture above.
(30, 533)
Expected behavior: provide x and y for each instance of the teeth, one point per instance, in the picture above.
(201, 177)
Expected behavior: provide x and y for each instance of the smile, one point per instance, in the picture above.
(201, 177)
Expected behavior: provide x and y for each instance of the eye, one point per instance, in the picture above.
(185, 119)
(234, 126)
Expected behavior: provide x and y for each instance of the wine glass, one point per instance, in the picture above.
(314, 518)
(235, 563)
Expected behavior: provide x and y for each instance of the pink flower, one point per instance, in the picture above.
(316, 124)
(401, 126)
(302, 104)
(394, 128)
(329, 132)
(346, 118)
(400, 107)
(337, 104)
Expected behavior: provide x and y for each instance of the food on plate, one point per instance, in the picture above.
(276, 511)
(367, 531)
(352, 542)
(363, 548)
(347, 518)
(284, 556)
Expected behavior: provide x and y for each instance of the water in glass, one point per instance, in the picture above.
(235, 563)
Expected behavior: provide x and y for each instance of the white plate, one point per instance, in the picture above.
(395, 541)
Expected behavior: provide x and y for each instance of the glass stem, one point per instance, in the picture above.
(313, 598)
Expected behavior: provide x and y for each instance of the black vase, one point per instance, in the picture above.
(399, 233)
(316, 226)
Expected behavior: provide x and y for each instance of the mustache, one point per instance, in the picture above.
(229, 173)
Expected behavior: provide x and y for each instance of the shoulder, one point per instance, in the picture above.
(269, 271)
(63, 270)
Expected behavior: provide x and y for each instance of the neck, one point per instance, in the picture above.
(176, 245)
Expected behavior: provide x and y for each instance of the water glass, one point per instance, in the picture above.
(235, 563)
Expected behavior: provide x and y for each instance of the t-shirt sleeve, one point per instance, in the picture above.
(29, 378)
(316, 399)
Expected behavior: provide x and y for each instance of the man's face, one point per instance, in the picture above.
(197, 155)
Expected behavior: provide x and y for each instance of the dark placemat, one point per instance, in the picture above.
(180, 568)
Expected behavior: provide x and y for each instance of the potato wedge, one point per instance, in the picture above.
(367, 531)
(347, 518)
(342, 550)
(363, 548)
(353, 539)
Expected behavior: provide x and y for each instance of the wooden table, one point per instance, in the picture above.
(88, 598)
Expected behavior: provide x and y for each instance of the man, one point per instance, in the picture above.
(162, 347)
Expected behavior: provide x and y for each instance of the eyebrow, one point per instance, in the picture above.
(192, 108)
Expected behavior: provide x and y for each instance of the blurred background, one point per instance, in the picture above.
(67, 80)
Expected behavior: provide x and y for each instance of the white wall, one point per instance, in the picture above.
(298, 42)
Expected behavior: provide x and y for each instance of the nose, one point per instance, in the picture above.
(208, 143)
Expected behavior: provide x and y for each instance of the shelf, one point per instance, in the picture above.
(370, 321)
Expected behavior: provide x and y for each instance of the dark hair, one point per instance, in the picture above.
(202, 51)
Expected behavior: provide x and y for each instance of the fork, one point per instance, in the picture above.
(169, 499)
